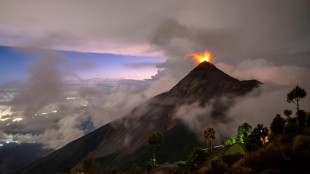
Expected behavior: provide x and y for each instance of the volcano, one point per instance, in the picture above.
(123, 141)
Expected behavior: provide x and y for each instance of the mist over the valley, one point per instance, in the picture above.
(247, 40)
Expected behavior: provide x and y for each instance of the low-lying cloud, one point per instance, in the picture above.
(258, 107)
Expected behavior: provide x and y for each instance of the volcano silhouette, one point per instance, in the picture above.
(123, 142)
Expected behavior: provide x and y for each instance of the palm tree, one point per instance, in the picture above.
(212, 136)
(155, 139)
(208, 135)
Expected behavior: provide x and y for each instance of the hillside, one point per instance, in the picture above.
(123, 141)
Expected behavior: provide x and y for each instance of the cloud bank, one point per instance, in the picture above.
(258, 107)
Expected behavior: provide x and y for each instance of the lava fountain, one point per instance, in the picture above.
(201, 57)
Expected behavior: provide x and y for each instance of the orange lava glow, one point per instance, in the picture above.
(201, 57)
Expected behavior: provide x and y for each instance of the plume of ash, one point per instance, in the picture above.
(177, 40)
(258, 107)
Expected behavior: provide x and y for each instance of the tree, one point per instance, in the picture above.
(301, 120)
(308, 119)
(287, 113)
(197, 157)
(227, 141)
(244, 131)
(212, 137)
(151, 164)
(277, 125)
(90, 166)
(155, 139)
(135, 169)
(205, 136)
(253, 141)
(233, 139)
(295, 95)
(209, 136)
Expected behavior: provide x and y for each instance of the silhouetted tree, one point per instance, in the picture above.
(287, 113)
(295, 95)
(111, 171)
(301, 120)
(308, 119)
(151, 164)
(90, 166)
(197, 157)
(155, 139)
(245, 129)
(135, 169)
(277, 125)
(253, 141)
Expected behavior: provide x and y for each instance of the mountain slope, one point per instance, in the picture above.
(124, 140)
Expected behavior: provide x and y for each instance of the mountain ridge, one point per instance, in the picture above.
(127, 136)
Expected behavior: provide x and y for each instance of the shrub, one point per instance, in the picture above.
(277, 125)
(151, 164)
(135, 169)
(232, 159)
(301, 142)
(291, 128)
(218, 166)
(197, 156)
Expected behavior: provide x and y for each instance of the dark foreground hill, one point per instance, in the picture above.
(122, 142)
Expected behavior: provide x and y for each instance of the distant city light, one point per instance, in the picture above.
(71, 98)
(17, 119)
(4, 119)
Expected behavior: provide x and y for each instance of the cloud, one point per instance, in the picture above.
(232, 31)
(199, 118)
(266, 72)
(258, 107)
(141, 64)
(89, 91)
(66, 130)
(44, 86)
(278, 81)
(125, 98)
